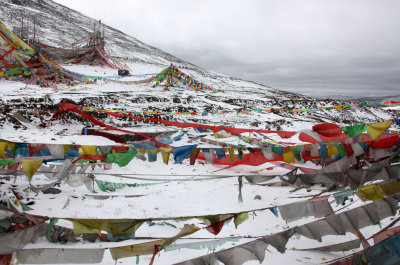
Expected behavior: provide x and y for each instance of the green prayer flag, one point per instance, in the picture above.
(52, 222)
(111, 186)
(297, 153)
(219, 135)
(117, 227)
(354, 130)
(121, 158)
(341, 150)
(240, 154)
(24, 207)
(240, 218)
(5, 162)
(5, 223)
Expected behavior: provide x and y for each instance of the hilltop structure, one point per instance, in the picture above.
(19, 60)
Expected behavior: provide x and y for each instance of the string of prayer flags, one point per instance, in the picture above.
(384, 252)
(356, 178)
(60, 256)
(148, 248)
(378, 191)
(271, 151)
(253, 250)
(345, 246)
(106, 186)
(171, 75)
(336, 225)
(349, 221)
(210, 245)
(118, 227)
(206, 113)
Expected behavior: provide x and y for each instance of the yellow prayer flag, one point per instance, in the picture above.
(376, 129)
(338, 107)
(141, 149)
(83, 229)
(89, 150)
(66, 148)
(370, 192)
(288, 157)
(332, 150)
(10, 147)
(390, 187)
(3, 146)
(118, 227)
(231, 154)
(30, 167)
(165, 152)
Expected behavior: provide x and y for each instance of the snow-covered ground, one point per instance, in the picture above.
(178, 190)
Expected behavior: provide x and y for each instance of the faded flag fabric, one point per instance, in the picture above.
(317, 208)
(11, 242)
(60, 256)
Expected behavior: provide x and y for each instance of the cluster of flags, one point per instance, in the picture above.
(171, 76)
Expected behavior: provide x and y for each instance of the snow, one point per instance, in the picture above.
(172, 198)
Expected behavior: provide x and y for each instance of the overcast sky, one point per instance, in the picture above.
(314, 47)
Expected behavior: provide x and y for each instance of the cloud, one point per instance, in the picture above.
(344, 46)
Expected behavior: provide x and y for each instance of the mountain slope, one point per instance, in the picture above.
(60, 26)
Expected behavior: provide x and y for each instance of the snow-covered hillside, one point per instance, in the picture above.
(60, 26)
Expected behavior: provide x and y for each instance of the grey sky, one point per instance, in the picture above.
(343, 47)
